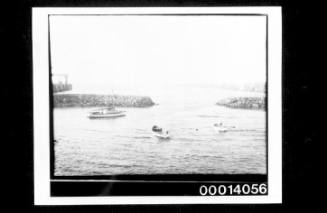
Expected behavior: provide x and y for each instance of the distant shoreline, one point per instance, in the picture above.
(253, 103)
(95, 100)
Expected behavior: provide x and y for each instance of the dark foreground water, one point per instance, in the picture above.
(126, 145)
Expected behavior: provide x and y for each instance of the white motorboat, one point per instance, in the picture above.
(108, 112)
(220, 128)
(160, 133)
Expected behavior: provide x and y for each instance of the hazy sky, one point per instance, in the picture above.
(158, 50)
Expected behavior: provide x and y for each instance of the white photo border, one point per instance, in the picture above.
(41, 108)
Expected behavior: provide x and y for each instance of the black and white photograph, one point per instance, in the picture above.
(157, 96)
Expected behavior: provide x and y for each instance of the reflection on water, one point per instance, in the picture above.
(126, 145)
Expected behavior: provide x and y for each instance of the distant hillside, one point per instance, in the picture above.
(258, 103)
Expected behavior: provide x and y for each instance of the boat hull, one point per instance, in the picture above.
(105, 116)
(220, 129)
(161, 136)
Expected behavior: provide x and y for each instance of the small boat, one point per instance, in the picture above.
(160, 133)
(108, 112)
(220, 127)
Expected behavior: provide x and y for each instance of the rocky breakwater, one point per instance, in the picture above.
(256, 103)
(94, 100)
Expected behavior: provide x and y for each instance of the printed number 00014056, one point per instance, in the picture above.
(234, 189)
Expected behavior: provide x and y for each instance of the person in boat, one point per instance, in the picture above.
(217, 125)
(221, 125)
(155, 128)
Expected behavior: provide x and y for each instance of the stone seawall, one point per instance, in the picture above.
(257, 103)
(93, 100)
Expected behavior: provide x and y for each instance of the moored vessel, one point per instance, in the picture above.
(108, 112)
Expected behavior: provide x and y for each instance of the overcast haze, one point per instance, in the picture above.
(145, 51)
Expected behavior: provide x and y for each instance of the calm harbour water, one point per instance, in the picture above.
(126, 145)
